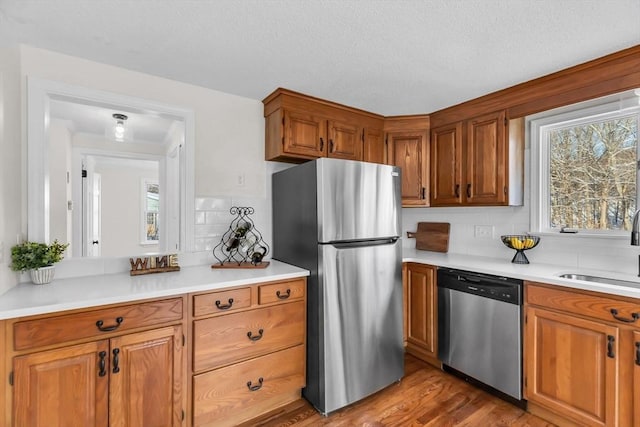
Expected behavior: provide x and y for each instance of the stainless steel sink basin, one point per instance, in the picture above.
(588, 278)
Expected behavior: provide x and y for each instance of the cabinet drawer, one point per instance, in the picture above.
(224, 396)
(221, 302)
(226, 339)
(58, 329)
(281, 291)
(573, 301)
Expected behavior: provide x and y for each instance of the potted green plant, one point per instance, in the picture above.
(38, 259)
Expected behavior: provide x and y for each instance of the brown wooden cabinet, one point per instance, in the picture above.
(81, 371)
(421, 311)
(407, 139)
(247, 359)
(374, 146)
(568, 367)
(470, 162)
(581, 356)
(300, 127)
(304, 134)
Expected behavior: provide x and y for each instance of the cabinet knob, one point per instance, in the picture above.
(103, 363)
(610, 342)
(634, 316)
(255, 337)
(257, 386)
(224, 306)
(116, 360)
(102, 328)
(285, 295)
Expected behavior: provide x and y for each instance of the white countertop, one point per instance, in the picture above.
(81, 292)
(546, 273)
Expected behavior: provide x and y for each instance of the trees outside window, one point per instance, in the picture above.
(585, 167)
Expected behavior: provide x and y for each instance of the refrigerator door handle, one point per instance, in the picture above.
(364, 243)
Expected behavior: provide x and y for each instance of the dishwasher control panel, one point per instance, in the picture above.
(495, 287)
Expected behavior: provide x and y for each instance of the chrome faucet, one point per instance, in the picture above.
(635, 229)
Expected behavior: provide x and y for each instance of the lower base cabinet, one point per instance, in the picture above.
(572, 368)
(421, 311)
(129, 380)
(223, 397)
(582, 356)
(248, 358)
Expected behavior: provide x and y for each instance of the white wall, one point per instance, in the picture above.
(121, 200)
(11, 185)
(229, 136)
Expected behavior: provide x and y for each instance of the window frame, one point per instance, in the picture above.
(609, 107)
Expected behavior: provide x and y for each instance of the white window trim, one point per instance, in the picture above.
(599, 109)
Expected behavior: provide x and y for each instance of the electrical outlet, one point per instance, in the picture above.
(240, 180)
(484, 231)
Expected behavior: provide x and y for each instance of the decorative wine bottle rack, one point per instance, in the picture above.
(242, 245)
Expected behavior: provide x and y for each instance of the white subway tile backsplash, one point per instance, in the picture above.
(200, 217)
(566, 251)
(213, 203)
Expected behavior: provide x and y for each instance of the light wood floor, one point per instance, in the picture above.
(425, 397)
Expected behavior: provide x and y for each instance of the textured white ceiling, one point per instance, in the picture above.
(389, 57)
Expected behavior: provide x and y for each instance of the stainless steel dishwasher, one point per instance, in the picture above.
(480, 330)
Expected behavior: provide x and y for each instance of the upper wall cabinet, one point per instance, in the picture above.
(478, 162)
(407, 139)
(299, 128)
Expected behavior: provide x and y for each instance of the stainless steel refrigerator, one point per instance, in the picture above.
(341, 220)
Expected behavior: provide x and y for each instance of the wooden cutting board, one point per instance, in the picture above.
(431, 236)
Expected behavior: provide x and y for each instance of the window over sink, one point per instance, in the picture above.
(584, 159)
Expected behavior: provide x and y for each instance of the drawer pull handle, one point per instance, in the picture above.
(638, 353)
(610, 341)
(285, 296)
(103, 364)
(119, 321)
(469, 191)
(116, 360)
(225, 306)
(634, 316)
(457, 191)
(255, 337)
(255, 387)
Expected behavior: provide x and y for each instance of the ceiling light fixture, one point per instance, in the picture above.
(119, 128)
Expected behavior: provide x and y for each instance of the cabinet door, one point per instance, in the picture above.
(446, 165)
(422, 310)
(374, 147)
(572, 366)
(408, 150)
(345, 141)
(146, 379)
(486, 160)
(636, 378)
(66, 387)
(304, 134)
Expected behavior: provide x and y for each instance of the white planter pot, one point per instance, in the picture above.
(42, 275)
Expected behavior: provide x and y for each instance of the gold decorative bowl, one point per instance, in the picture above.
(521, 243)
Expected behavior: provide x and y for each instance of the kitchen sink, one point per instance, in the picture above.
(588, 278)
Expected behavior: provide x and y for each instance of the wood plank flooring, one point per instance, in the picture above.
(425, 397)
